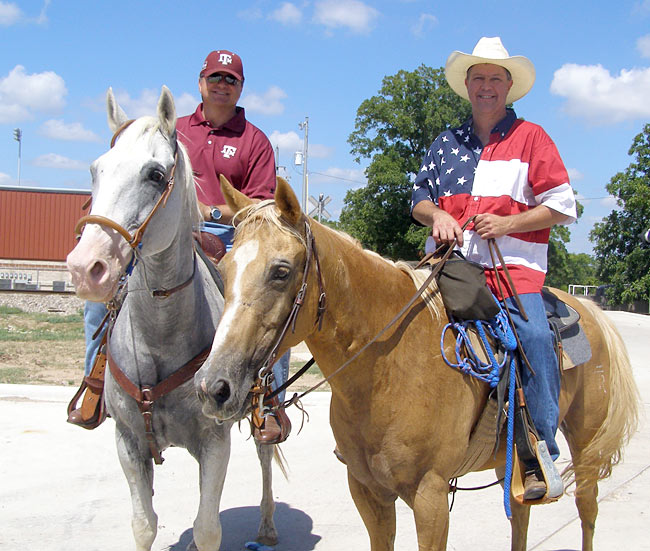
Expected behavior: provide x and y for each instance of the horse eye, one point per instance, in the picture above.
(156, 175)
(281, 273)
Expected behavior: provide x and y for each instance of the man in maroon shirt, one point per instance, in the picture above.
(219, 140)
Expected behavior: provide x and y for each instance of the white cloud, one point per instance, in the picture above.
(290, 142)
(642, 7)
(426, 22)
(352, 14)
(52, 160)
(9, 13)
(595, 95)
(643, 45)
(147, 103)
(72, 132)
(575, 174)
(21, 94)
(287, 14)
(5, 179)
(269, 103)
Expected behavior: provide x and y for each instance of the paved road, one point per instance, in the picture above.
(61, 488)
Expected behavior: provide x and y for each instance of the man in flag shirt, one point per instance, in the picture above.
(508, 173)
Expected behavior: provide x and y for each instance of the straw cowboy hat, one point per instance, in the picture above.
(490, 50)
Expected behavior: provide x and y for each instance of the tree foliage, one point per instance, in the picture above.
(621, 258)
(394, 129)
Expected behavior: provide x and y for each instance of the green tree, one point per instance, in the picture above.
(394, 129)
(621, 258)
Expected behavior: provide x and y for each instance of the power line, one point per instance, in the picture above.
(337, 177)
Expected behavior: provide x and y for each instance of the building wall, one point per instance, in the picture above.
(38, 224)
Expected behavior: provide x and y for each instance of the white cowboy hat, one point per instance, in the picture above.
(490, 50)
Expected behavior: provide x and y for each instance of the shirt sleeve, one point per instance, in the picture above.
(424, 186)
(550, 180)
(260, 176)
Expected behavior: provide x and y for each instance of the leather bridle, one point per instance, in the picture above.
(261, 390)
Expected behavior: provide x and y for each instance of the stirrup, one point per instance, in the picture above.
(92, 412)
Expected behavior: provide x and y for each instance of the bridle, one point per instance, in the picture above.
(135, 240)
(261, 390)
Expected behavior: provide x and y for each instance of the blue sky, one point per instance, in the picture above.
(318, 59)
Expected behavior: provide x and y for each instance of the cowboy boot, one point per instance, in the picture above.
(275, 428)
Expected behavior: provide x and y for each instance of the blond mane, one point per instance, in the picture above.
(258, 214)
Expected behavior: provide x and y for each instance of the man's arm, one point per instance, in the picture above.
(226, 213)
(444, 228)
(538, 218)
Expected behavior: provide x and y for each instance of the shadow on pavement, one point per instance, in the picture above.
(239, 525)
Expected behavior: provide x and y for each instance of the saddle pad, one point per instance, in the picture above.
(565, 318)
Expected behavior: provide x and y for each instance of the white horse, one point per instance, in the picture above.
(154, 336)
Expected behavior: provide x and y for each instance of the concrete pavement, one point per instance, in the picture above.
(61, 488)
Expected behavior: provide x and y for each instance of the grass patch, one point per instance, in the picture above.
(19, 326)
(297, 366)
(9, 309)
(14, 376)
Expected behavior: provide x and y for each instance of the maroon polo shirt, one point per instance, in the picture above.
(238, 150)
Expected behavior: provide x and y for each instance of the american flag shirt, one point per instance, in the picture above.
(518, 169)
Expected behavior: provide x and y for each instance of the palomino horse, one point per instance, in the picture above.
(154, 336)
(401, 417)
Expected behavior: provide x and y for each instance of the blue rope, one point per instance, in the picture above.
(509, 440)
(499, 329)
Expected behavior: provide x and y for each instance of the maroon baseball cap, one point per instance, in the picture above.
(223, 61)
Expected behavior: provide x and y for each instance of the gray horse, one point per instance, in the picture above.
(168, 316)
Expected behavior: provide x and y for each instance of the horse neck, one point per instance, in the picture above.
(363, 291)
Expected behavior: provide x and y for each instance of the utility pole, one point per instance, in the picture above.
(18, 136)
(304, 126)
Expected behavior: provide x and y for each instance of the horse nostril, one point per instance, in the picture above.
(97, 270)
(221, 391)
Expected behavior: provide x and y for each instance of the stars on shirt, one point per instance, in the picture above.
(464, 158)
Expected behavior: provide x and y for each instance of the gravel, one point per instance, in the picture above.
(64, 304)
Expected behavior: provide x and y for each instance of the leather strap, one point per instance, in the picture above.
(145, 396)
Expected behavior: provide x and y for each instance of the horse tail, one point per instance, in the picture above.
(281, 460)
(605, 449)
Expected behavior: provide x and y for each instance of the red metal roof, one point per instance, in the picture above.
(38, 224)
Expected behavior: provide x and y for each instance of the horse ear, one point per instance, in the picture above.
(116, 116)
(287, 202)
(235, 199)
(167, 111)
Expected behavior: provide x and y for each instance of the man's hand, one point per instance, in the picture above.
(446, 229)
(490, 226)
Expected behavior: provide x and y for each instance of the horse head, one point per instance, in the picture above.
(263, 273)
(128, 181)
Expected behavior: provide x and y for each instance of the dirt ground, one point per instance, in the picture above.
(45, 344)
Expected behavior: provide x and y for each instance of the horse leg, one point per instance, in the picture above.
(520, 518)
(431, 511)
(266, 533)
(138, 471)
(377, 513)
(213, 462)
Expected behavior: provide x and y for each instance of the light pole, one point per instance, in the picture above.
(18, 136)
(304, 126)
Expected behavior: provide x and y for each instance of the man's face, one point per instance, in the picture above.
(222, 93)
(487, 86)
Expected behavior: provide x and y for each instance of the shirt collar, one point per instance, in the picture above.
(502, 127)
(236, 124)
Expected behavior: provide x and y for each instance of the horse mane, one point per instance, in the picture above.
(259, 214)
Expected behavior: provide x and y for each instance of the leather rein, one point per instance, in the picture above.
(144, 395)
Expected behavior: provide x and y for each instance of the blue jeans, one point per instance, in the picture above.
(542, 390)
(94, 313)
